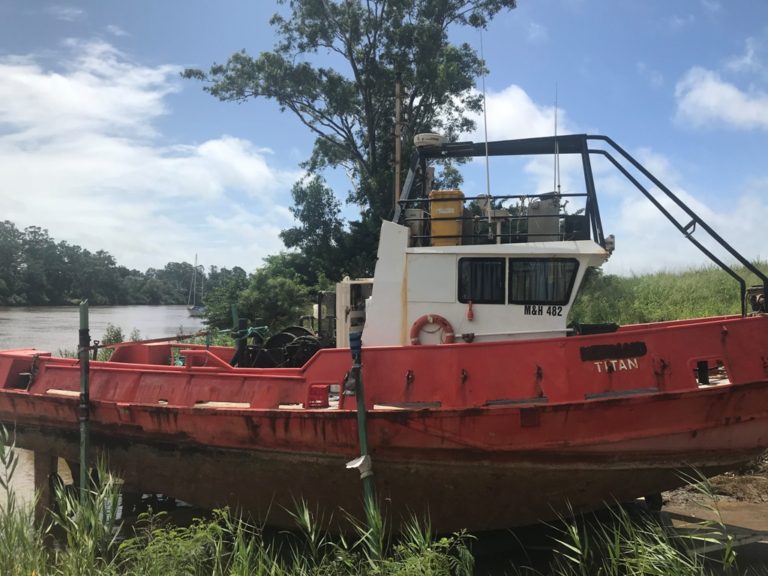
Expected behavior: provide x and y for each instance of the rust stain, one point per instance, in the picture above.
(530, 417)
(254, 427)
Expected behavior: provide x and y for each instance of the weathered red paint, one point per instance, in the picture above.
(512, 430)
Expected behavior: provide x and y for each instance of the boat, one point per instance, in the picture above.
(194, 308)
(483, 408)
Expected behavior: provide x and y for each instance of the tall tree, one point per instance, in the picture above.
(350, 108)
(319, 233)
(11, 250)
(225, 289)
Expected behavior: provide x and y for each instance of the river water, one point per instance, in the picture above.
(54, 328)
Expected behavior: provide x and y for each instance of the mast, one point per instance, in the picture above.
(192, 297)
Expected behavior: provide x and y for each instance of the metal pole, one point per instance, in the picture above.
(84, 345)
(355, 386)
(398, 140)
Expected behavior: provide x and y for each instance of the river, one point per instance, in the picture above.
(54, 328)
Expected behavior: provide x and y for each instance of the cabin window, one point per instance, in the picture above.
(541, 280)
(481, 280)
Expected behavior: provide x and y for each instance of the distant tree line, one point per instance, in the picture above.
(36, 270)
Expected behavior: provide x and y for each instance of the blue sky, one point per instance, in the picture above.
(104, 145)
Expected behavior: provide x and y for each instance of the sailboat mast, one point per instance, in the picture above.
(192, 298)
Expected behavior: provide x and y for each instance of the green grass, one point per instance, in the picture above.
(22, 550)
(661, 296)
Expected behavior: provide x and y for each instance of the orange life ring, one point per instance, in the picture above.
(432, 319)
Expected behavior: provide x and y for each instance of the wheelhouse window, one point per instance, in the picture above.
(481, 280)
(541, 280)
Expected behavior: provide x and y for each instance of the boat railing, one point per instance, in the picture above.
(687, 229)
(490, 220)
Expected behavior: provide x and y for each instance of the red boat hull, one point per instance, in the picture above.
(498, 435)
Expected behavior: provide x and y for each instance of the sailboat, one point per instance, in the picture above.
(195, 307)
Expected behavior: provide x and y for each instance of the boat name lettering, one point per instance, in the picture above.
(613, 351)
(617, 365)
(540, 310)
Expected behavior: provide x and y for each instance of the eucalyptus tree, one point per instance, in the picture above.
(334, 67)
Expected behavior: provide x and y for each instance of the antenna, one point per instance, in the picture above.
(556, 184)
(485, 125)
(398, 138)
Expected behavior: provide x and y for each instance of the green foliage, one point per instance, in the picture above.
(159, 548)
(657, 297)
(228, 286)
(275, 295)
(214, 337)
(112, 334)
(349, 108)
(35, 270)
(623, 543)
(21, 539)
(319, 234)
(89, 524)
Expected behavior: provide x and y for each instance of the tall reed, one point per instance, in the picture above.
(22, 550)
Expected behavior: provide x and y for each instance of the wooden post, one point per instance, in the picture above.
(45, 466)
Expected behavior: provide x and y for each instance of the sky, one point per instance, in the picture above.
(106, 146)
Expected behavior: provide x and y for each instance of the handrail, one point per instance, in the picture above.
(689, 229)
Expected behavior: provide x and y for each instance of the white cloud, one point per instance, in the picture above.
(711, 6)
(537, 34)
(651, 75)
(99, 91)
(750, 61)
(116, 31)
(81, 156)
(647, 241)
(676, 22)
(704, 98)
(65, 13)
(513, 114)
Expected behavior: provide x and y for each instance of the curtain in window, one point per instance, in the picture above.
(481, 280)
(541, 281)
